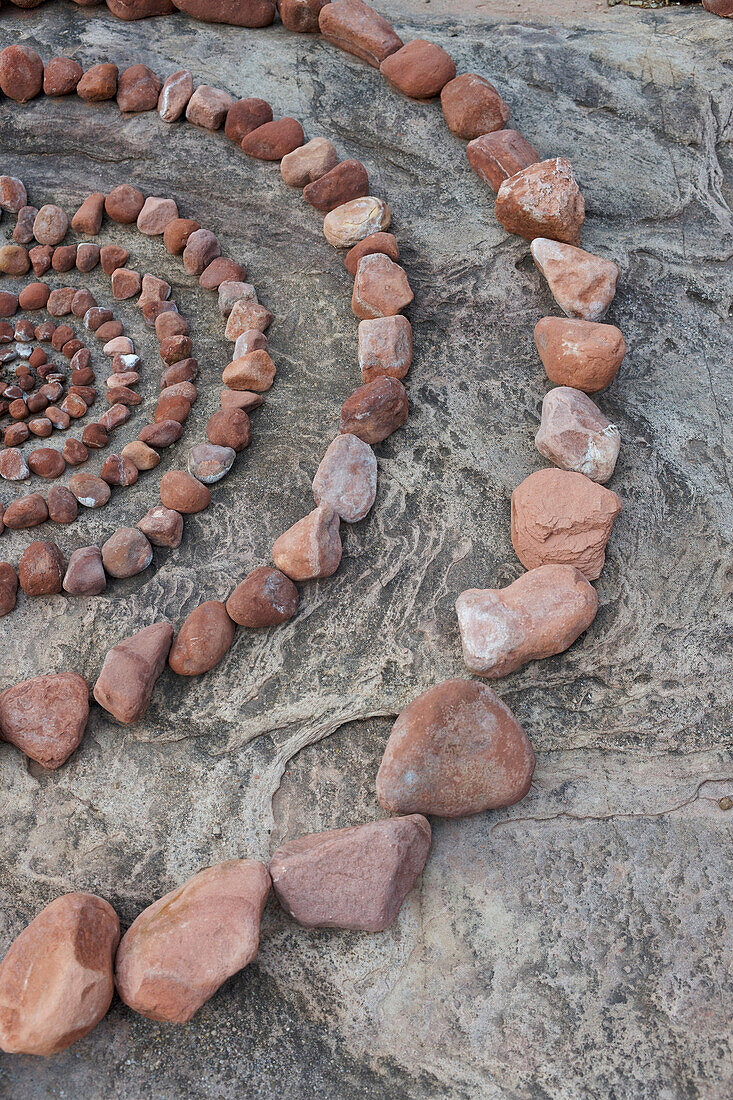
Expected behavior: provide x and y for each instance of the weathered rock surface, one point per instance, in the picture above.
(45, 717)
(583, 285)
(130, 670)
(575, 435)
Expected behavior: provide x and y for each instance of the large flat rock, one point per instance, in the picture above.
(574, 945)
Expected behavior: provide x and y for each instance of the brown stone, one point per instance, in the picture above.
(175, 348)
(301, 16)
(419, 69)
(138, 89)
(170, 324)
(346, 479)
(8, 588)
(575, 435)
(208, 107)
(375, 410)
(355, 878)
(308, 163)
(40, 258)
(229, 428)
(34, 296)
(18, 409)
(232, 292)
(347, 180)
(724, 8)
(112, 256)
(41, 569)
(245, 317)
(97, 316)
(174, 95)
(13, 467)
(88, 218)
(240, 399)
(56, 980)
(75, 452)
(126, 553)
(46, 462)
(142, 456)
(381, 288)
(564, 518)
(130, 671)
(542, 201)
(124, 203)
(209, 462)
(85, 575)
(44, 332)
(74, 405)
(98, 83)
(472, 106)
(140, 9)
(583, 285)
(95, 436)
(274, 140)
(90, 490)
(155, 215)
(244, 116)
(61, 76)
(13, 195)
(161, 434)
(384, 243)
(172, 406)
(40, 426)
(253, 371)
(14, 259)
(8, 303)
(23, 232)
(125, 283)
(385, 347)
(345, 226)
(356, 28)
(581, 354)
(183, 371)
(221, 270)
(162, 526)
(178, 952)
(119, 470)
(540, 614)
(82, 301)
(62, 505)
(311, 548)
(203, 640)
(238, 13)
(87, 256)
(109, 330)
(183, 493)
(455, 750)
(21, 73)
(45, 718)
(177, 232)
(201, 248)
(266, 597)
(497, 156)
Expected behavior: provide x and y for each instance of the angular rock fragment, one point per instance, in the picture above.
(355, 878)
(419, 69)
(234, 291)
(381, 288)
(346, 479)
(375, 410)
(88, 218)
(356, 28)
(582, 354)
(311, 548)
(130, 670)
(266, 597)
(253, 371)
(208, 107)
(385, 347)
(455, 750)
(155, 215)
(472, 107)
(575, 435)
(583, 285)
(85, 574)
(13, 195)
(203, 640)
(542, 201)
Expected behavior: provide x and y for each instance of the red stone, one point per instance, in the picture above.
(497, 156)
(472, 106)
(355, 27)
(420, 69)
(45, 717)
(203, 640)
(266, 597)
(41, 569)
(21, 73)
(274, 140)
(130, 671)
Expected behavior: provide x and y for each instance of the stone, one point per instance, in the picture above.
(575, 435)
(385, 347)
(170, 324)
(203, 640)
(301, 16)
(208, 107)
(90, 490)
(138, 89)
(109, 330)
(119, 470)
(384, 243)
(347, 180)
(183, 493)
(208, 462)
(125, 283)
(40, 426)
(455, 750)
(201, 248)
(583, 285)
(220, 270)
(126, 553)
(244, 116)
(87, 256)
(171, 407)
(542, 201)
(95, 436)
(163, 527)
(472, 107)
(311, 548)
(21, 73)
(308, 163)
(18, 409)
(240, 399)
(88, 218)
(75, 406)
(41, 569)
(75, 453)
(8, 306)
(355, 878)
(266, 597)
(346, 479)
(273, 140)
(228, 429)
(61, 76)
(253, 371)
(140, 9)
(348, 224)
(45, 717)
(161, 434)
(124, 378)
(142, 456)
(245, 316)
(183, 371)
(175, 348)
(13, 195)
(540, 614)
(723, 8)
(497, 156)
(96, 317)
(23, 232)
(98, 83)
(174, 95)
(155, 215)
(234, 291)
(381, 288)
(356, 28)
(8, 588)
(238, 13)
(112, 256)
(62, 505)
(180, 949)
(85, 575)
(130, 671)
(153, 288)
(375, 410)
(46, 462)
(419, 69)
(124, 203)
(14, 259)
(56, 980)
(560, 517)
(177, 232)
(582, 354)
(13, 467)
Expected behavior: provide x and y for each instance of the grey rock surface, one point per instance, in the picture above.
(577, 944)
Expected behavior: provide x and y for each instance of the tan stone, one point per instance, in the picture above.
(348, 224)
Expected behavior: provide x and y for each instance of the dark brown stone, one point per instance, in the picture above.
(98, 83)
(41, 569)
(61, 76)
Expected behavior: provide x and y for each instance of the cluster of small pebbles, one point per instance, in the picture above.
(457, 749)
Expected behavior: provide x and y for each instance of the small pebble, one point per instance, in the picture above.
(87, 256)
(138, 89)
(113, 256)
(14, 259)
(61, 76)
(253, 371)
(62, 505)
(125, 283)
(174, 95)
(23, 232)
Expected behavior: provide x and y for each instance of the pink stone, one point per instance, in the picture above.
(583, 285)
(245, 316)
(385, 347)
(346, 479)
(575, 435)
(85, 575)
(45, 717)
(130, 671)
(381, 288)
(583, 354)
(311, 548)
(208, 107)
(155, 216)
(163, 527)
(174, 95)
(542, 201)
(203, 640)
(308, 163)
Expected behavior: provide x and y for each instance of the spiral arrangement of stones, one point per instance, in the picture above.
(455, 750)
